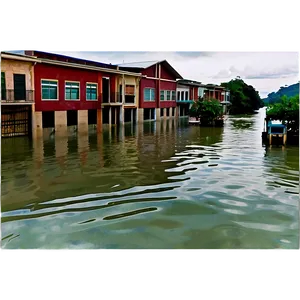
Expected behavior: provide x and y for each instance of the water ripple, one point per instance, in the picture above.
(162, 185)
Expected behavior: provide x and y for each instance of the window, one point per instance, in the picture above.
(49, 90)
(186, 95)
(162, 95)
(168, 95)
(3, 86)
(91, 91)
(129, 89)
(200, 92)
(173, 95)
(149, 94)
(178, 95)
(71, 90)
(182, 95)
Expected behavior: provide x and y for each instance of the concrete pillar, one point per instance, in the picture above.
(140, 116)
(82, 120)
(121, 115)
(109, 116)
(165, 113)
(99, 120)
(60, 122)
(38, 124)
(121, 132)
(157, 113)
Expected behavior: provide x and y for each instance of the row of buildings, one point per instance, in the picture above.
(45, 92)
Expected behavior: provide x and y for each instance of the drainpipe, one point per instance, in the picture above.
(123, 89)
(158, 90)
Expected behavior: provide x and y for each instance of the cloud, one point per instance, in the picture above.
(266, 71)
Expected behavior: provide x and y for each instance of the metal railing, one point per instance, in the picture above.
(112, 98)
(117, 98)
(12, 96)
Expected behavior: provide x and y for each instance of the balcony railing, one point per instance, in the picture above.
(112, 98)
(15, 96)
(129, 99)
(117, 98)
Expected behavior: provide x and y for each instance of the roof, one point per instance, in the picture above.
(190, 82)
(210, 85)
(65, 58)
(17, 56)
(147, 64)
(88, 67)
(140, 65)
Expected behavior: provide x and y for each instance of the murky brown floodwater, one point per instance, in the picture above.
(161, 185)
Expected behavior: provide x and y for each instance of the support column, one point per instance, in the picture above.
(38, 126)
(165, 113)
(140, 115)
(109, 116)
(60, 122)
(121, 115)
(82, 120)
(157, 114)
(99, 120)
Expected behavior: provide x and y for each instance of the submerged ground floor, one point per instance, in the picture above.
(24, 120)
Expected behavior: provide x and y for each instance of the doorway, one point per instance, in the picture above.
(105, 90)
(19, 87)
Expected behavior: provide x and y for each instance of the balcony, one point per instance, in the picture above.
(129, 99)
(184, 101)
(17, 96)
(116, 99)
(113, 98)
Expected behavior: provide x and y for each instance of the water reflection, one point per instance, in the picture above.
(157, 185)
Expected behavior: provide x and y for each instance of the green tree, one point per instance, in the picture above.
(243, 97)
(208, 110)
(287, 111)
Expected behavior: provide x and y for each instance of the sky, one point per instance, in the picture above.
(265, 71)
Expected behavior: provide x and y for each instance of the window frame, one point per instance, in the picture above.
(150, 88)
(57, 90)
(164, 94)
(168, 91)
(97, 91)
(70, 81)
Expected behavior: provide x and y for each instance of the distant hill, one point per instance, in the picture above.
(288, 91)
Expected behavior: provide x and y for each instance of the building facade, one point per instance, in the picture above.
(157, 93)
(72, 93)
(17, 94)
(189, 91)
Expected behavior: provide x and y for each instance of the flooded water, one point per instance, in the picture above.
(157, 185)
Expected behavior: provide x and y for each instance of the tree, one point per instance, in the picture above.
(243, 97)
(287, 111)
(208, 110)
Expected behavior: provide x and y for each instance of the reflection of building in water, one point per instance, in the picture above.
(38, 152)
(100, 149)
(83, 148)
(157, 142)
(61, 150)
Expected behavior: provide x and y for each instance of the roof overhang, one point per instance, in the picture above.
(5, 55)
(87, 67)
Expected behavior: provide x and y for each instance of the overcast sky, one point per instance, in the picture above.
(266, 71)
